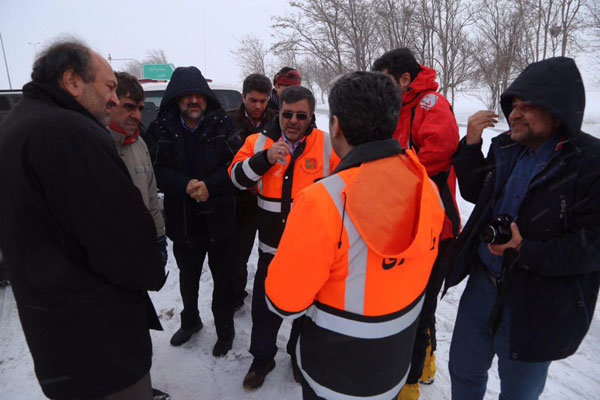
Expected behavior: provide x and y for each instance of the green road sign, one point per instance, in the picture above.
(158, 71)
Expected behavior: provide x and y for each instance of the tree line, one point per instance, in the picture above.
(470, 43)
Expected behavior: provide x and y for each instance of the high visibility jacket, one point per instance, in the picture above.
(427, 125)
(355, 257)
(278, 184)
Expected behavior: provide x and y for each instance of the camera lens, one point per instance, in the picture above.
(488, 234)
(497, 231)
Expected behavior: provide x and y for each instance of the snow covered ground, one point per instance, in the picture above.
(191, 372)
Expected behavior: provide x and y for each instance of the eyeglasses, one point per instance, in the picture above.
(299, 115)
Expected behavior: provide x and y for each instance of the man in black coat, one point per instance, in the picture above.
(196, 142)
(79, 243)
(530, 297)
(251, 117)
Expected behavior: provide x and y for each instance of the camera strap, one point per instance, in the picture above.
(509, 259)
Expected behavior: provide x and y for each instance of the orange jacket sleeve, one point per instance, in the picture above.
(247, 167)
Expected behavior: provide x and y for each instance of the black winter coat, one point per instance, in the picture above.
(79, 244)
(556, 277)
(245, 200)
(215, 149)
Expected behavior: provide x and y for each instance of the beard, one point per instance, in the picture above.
(95, 104)
(193, 115)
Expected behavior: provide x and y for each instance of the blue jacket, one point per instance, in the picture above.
(555, 280)
(215, 149)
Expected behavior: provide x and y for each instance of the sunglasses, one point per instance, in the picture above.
(299, 115)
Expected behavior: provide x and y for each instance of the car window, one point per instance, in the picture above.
(230, 99)
(4, 103)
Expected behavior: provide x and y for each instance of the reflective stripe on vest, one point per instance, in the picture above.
(327, 393)
(361, 329)
(259, 145)
(271, 206)
(265, 248)
(357, 251)
(234, 180)
(327, 150)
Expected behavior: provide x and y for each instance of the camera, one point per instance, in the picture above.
(497, 230)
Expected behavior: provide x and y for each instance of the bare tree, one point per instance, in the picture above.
(570, 21)
(358, 33)
(501, 31)
(451, 56)
(313, 29)
(134, 68)
(593, 15)
(395, 23)
(251, 55)
(155, 56)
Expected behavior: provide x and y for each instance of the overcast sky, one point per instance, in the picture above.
(185, 29)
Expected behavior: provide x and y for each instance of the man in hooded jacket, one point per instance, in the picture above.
(196, 141)
(530, 300)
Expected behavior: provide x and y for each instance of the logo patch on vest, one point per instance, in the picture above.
(428, 101)
(389, 263)
(310, 165)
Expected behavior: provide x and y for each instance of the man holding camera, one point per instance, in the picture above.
(531, 243)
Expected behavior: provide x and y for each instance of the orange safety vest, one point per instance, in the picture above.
(356, 256)
(278, 184)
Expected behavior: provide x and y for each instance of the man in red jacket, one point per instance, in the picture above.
(427, 125)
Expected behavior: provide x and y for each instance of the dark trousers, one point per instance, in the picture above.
(141, 390)
(472, 348)
(190, 258)
(265, 324)
(309, 394)
(245, 235)
(426, 327)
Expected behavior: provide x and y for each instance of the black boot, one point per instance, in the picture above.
(183, 335)
(257, 373)
(222, 347)
(225, 337)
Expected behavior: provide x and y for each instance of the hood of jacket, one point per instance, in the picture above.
(406, 215)
(188, 80)
(424, 81)
(554, 84)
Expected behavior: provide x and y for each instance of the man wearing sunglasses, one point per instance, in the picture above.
(251, 117)
(284, 158)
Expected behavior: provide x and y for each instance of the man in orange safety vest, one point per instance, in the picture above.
(357, 251)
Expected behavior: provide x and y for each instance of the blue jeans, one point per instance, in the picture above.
(472, 349)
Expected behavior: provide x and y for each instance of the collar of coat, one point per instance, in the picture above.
(243, 119)
(127, 139)
(53, 93)
(369, 151)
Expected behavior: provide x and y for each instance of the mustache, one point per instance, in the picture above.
(194, 105)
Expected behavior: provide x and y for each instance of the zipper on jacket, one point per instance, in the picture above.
(563, 212)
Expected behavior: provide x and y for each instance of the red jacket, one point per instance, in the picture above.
(435, 138)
